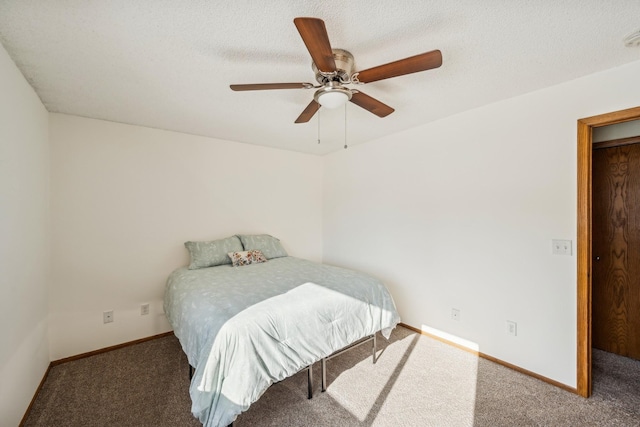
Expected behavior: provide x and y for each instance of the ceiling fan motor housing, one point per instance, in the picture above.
(345, 67)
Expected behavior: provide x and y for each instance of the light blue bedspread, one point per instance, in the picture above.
(244, 328)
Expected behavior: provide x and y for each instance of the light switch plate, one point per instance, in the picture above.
(512, 328)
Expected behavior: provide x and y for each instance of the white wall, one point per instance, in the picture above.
(24, 242)
(460, 213)
(125, 199)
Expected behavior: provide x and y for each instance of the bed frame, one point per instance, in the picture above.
(323, 361)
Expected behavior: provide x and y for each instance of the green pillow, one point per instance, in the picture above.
(210, 254)
(268, 245)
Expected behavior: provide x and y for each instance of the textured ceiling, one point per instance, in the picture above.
(168, 63)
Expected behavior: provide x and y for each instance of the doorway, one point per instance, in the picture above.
(615, 242)
(584, 239)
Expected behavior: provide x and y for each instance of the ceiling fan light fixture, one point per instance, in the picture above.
(332, 96)
(333, 99)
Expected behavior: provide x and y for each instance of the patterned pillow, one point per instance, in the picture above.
(269, 245)
(246, 257)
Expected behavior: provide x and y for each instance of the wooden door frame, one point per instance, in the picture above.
(585, 128)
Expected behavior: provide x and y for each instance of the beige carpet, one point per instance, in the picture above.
(417, 381)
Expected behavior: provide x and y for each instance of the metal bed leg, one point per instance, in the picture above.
(374, 348)
(324, 374)
(190, 372)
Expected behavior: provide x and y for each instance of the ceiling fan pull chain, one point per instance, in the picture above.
(319, 127)
(345, 126)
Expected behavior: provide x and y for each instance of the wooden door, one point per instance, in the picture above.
(616, 250)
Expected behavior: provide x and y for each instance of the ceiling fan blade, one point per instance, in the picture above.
(268, 86)
(413, 64)
(371, 104)
(308, 112)
(315, 37)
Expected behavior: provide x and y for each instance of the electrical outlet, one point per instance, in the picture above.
(455, 314)
(144, 309)
(512, 328)
(107, 316)
(561, 247)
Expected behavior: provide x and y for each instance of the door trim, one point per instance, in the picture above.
(585, 128)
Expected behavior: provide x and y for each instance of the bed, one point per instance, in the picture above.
(246, 326)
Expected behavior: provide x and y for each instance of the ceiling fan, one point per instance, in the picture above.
(334, 68)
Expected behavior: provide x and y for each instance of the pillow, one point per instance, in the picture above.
(210, 254)
(247, 257)
(268, 245)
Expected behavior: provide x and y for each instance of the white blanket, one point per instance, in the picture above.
(273, 340)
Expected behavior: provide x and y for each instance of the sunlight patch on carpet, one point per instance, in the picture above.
(444, 376)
